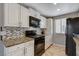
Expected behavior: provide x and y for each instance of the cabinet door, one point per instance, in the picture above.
(25, 51)
(24, 17)
(16, 52)
(29, 51)
(12, 12)
(29, 48)
(6, 16)
(32, 12)
(37, 15)
(48, 41)
(43, 22)
(51, 39)
(49, 26)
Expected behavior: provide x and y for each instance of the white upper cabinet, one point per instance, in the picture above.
(43, 22)
(24, 17)
(34, 13)
(49, 26)
(11, 14)
(14, 15)
(37, 15)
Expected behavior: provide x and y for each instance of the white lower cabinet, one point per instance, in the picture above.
(24, 49)
(48, 41)
(16, 52)
(29, 49)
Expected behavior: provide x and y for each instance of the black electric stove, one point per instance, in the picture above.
(39, 42)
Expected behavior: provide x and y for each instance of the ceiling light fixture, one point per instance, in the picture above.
(58, 9)
(54, 3)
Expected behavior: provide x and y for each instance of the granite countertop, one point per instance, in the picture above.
(15, 41)
(76, 39)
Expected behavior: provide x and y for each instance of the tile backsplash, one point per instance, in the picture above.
(13, 31)
(17, 31)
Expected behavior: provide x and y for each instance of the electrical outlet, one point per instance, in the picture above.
(2, 33)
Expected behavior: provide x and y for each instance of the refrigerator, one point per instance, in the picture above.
(70, 48)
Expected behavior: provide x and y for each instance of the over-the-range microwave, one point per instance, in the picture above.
(34, 22)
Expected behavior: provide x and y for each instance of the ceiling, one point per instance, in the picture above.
(51, 10)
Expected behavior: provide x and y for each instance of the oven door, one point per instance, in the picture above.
(39, 46)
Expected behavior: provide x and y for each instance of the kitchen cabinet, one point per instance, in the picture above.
(24, 49)
(37, 15)
(24, 17)
(48, 41)
(43, 22)
(34, 13)
(49, 33)
(10, 14)
(29, 48)
(17, 50)
(14, 15)
(49, 28)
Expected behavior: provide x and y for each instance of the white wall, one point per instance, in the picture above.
(70, 15)
(1, 49)
(59, 39)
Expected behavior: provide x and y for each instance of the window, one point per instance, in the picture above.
(60, 25)
(57, 26)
